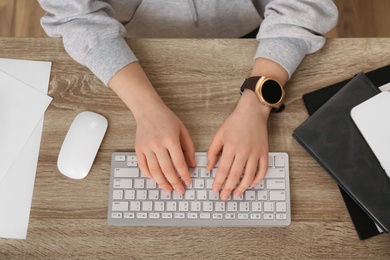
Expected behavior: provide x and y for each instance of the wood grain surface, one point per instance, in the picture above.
(199, 81)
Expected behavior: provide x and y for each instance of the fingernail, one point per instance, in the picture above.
(238, 193)
(188, 183)
(167, 190)
(215, 190)
(224, 196)
(180, 191)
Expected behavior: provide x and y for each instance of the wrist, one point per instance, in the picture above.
(250, 103)
(134, 88)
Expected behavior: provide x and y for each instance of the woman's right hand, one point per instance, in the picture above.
(165, 149)
(163, 145)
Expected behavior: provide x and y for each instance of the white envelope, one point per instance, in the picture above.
(23, 126)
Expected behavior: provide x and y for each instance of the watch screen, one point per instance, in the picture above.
(271, 91)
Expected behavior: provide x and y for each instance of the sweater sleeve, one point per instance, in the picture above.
(293, 28)
(90, 34)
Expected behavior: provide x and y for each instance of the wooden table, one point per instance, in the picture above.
(199, 80)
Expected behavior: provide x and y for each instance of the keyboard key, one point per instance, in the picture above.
(256, 206)
(276, 184)
(242, 216)
(189, 195)
(117, 194)
(192, 215)
(280, 216)
(205, 215)
(171, 205)
(154, 215)
(116, 215)
(126, 172)
(120, 158)
(255, 216)
(166, 215)
(135, 206)
(120, 206)
(277, 195)
(279, 160)
(268, 207)
(129, 194)
(129, 215)
(123, 183)
(179, 215)
(276, 173)
(230, 216)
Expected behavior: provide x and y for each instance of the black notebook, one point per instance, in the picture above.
(364, 225)
(332, 138)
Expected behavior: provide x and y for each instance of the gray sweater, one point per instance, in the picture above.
(93, 31)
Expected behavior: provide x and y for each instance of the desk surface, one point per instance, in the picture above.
(199, 80)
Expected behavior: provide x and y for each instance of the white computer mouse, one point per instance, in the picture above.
(81, 144)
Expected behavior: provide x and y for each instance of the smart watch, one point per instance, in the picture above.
(268, 91)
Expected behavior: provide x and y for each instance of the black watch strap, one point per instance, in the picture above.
(250, 83)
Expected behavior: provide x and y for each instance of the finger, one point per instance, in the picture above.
(213, 152)
(169, 171)
(143, 165)
(223, 171)
(157, 174)
(188, 147)
(249, 174)
(261, 171)
(181, 165)
(235, 174)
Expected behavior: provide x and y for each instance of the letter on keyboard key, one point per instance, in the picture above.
(126, 172)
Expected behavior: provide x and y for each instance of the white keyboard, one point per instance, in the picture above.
(135, 200)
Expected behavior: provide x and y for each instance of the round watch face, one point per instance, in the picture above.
(271, 91)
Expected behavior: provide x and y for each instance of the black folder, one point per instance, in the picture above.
(364, 225)
(331, 137)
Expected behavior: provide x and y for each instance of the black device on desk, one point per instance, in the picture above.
(363, 221)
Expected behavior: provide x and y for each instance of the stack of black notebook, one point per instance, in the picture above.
(332, 138)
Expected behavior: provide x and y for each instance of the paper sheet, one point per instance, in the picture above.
(16, 186)
(21, 108)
